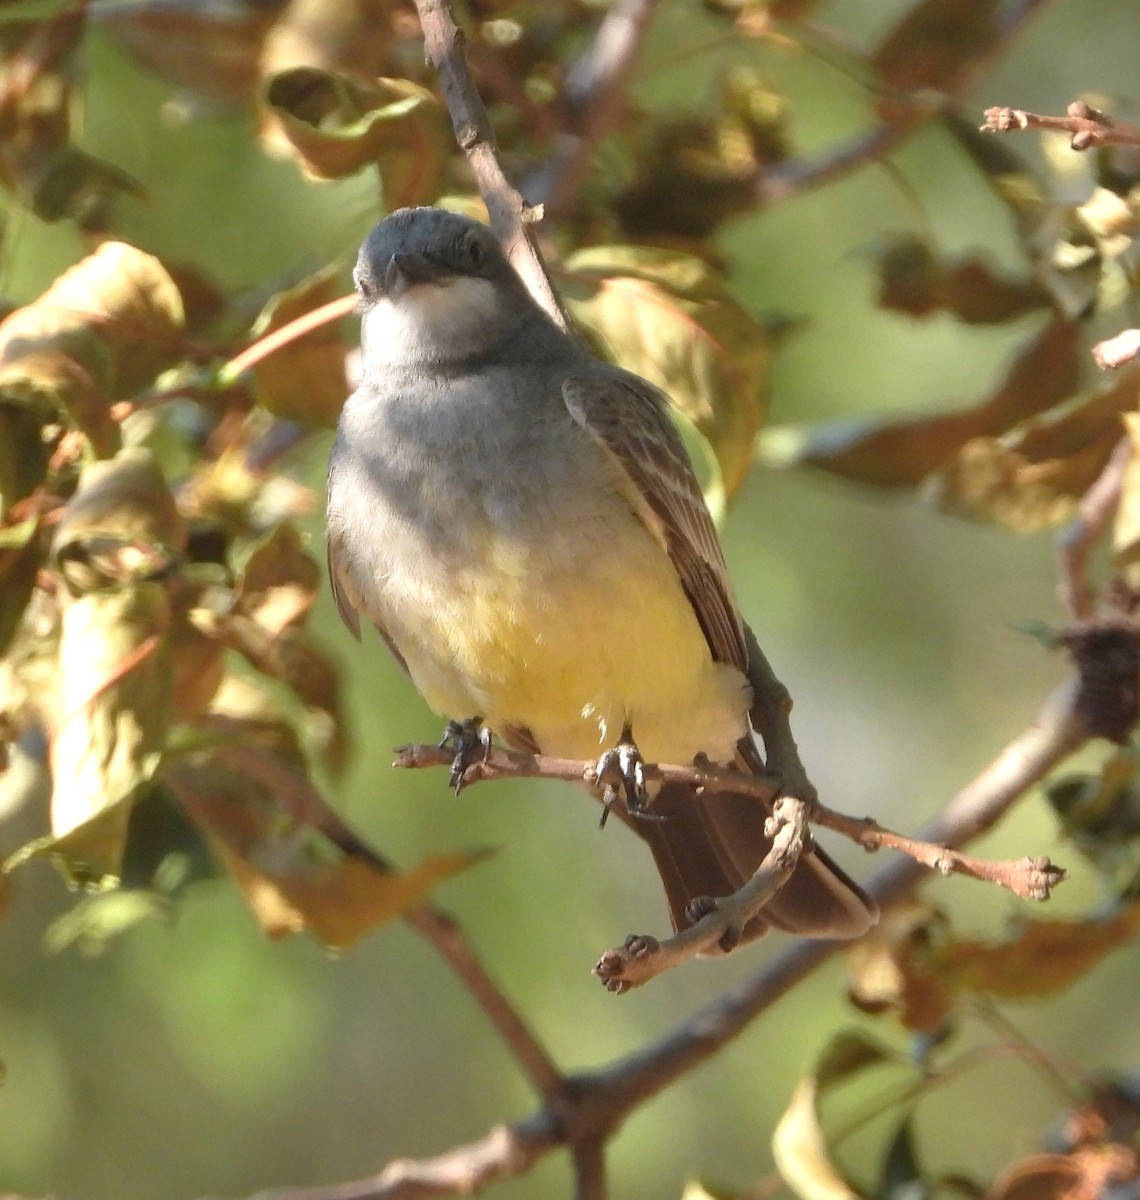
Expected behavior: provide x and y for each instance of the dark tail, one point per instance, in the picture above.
(711, 845)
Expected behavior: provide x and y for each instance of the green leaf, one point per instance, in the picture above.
(335, 126)
(672, 319)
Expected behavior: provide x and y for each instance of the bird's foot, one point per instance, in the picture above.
(471, 741)
(622, 770)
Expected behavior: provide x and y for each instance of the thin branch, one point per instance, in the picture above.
(644, 958)
(1115, 351)
(508, 212)
(1031, 879)
(1089, 127)
(598, 1102)
(1081, 535)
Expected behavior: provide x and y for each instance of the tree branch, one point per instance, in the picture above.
(1081, 535)
(598, 1101)
(509, 214)
(642, 958)
(1090, 128)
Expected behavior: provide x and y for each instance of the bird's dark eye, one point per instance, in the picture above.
(476, 255)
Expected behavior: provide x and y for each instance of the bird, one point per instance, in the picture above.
(520, 522)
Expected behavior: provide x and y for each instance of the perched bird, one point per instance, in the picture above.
(521, 523)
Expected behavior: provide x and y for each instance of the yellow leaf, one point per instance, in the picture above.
(109, 732)
(671, 318)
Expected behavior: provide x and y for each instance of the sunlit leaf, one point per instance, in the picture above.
(101, 331)
(1126, 528)
(336, 126)
(1032, 477)
(305, 380)
(901, 452)
(121, 525)
(671, 318)
(799, 1145)
(109, 733)
(359, 38)
(292, 879)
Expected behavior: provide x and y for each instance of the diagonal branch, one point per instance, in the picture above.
(508, 212)
(599, 1101)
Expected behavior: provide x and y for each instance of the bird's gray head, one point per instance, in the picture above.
(433, 285)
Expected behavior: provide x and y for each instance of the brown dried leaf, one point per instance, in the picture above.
(37, 161)
(1043, 958)
(1039, 1177)
(110, 730)
(902, 453)
(214, 53)
(1032, 477)
(335, 126)
(671, 318)
(305, 380)
(102, 330)
(352, 36)
(936, 43)
(913, 281)
(279, 581)
(292, 881)
(888, 971)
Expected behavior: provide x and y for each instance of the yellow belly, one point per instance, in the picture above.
(572, 650)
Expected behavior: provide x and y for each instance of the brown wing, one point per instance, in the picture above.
(629, 419)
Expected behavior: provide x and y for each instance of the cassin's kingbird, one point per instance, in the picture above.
(521, 523)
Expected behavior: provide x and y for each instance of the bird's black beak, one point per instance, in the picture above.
(406, 269)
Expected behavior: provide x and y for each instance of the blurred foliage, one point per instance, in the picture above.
(185, 179)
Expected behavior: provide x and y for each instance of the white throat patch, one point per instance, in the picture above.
(428, 318)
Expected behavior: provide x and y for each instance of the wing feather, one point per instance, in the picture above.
(629, 418)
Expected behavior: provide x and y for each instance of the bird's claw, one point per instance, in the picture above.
(622, 770)
(471, 741)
